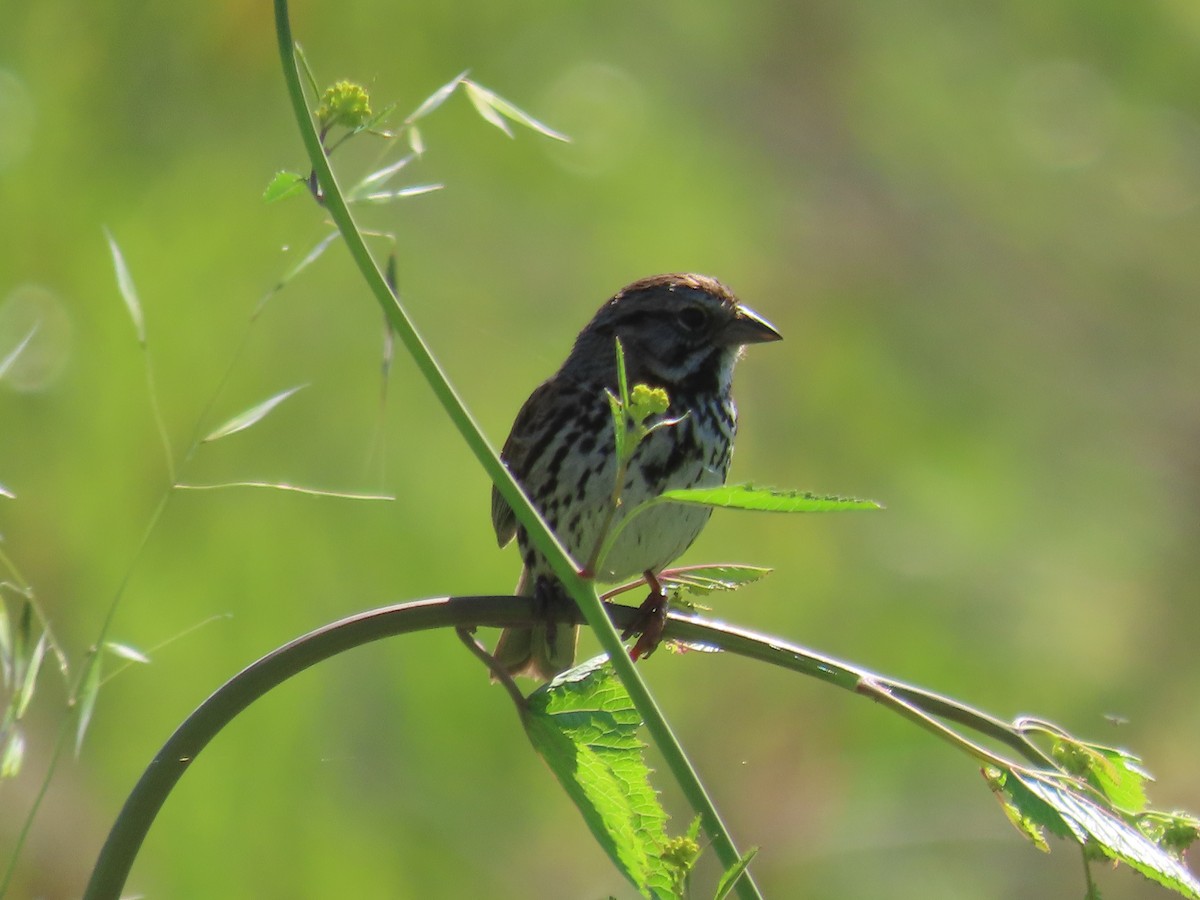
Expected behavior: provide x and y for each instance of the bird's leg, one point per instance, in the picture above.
(650, 621)
(547, 598)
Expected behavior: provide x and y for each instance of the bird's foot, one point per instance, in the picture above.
(650, 620)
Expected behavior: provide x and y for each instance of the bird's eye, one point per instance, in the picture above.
(692, 319)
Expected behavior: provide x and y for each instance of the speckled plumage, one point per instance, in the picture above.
(681, 332)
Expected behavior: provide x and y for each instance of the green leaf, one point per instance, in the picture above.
(618, 403)
(124, 651)
(585, 726)
(620, 433)
(1174, 832)
(252, 416)
(1025, 825)
(284, 185)
(1115, 838)
(125, 286)
(1033, 812)
(748, 496)
(622, 375)
(705, 579)
(1115, 773)
(309, 75)
(730, 878)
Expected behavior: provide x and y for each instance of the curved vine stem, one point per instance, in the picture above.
(464, 613)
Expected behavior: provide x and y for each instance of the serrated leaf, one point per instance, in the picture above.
(1036, 812)
(436, 99)
(731, 876)
(1115, 773)
(283, 185)
(586, 728)
(86, 701)
(13, 755)
(1027, 827)
(1117, 839)
(126, 288)
(124, 651)
(1174, 832)
(750, 497)
(252, 416)
(483, 100)
(11, 357)
(708, 578)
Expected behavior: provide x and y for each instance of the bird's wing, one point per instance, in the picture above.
(515, 456)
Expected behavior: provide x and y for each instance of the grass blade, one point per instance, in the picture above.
(484, 102)
(11, 357)
(507, 109)
(252, 416)
(284, 486)
(436, 99)
(125, 286)
(124, 651)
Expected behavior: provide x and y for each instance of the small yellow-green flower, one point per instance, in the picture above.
(680, 855)
(645, 401)
(345, 104)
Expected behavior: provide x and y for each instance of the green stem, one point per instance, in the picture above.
(565, 569)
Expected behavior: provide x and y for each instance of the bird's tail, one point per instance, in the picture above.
(542, 650)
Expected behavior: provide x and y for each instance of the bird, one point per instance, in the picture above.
(680, 332)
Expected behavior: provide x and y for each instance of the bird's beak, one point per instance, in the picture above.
(748, 327)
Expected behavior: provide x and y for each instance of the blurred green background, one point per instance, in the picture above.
(976, 226)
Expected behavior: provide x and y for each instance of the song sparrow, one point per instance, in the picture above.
(683, 333)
